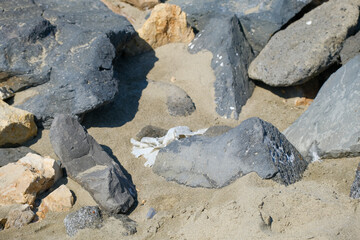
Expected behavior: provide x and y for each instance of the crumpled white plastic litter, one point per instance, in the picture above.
(149, 147)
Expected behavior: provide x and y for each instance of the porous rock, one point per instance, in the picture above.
(306, 47)
(16, 125)
(87, 163)
(66, 49)
(23, 180)
(329, 127)
(85, 217)
(166, 24)
(214, 162)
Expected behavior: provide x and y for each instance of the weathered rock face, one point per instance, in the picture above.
(232, 55)
(6, 93)
(214, 162)
(16, 125)
(166, 24)
(350, 49)
(60, 200)
(23, 180)
(142, 4)
(259, 19)
(85, 217)
(19, 217)
(306, 47)
(11, 155)
(355, 187)
(87, 163)
(67, 47)
(329, 127)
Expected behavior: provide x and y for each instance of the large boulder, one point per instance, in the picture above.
(11, 155)
(22, 181)
(66, 47)
(16, 125)
(87, 163)
(214, 162)
(166, 24)
(330, 126)
(306, 47)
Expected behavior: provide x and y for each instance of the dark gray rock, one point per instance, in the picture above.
(151, 131)
(10, 155)
(330, 127)
(87, 163)
(179, 103)
(66, 47)
(355, 187)
(128, 224)
(232, 55)
(350, 49)
(214, 162)
(259, 19)
(216, 130)
(85, 217)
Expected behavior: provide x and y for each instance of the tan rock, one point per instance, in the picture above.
(16, 125)
(23, 180)
(19, 217)
(59, 200)
(142, 4)
(166, 24)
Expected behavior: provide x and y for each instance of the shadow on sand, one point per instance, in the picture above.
(130, 70)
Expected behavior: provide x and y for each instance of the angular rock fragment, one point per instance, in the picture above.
(23, 180)
(150, 131)
(86, 162)
(306, 47)
(16, 125)
(214, 162)
(66, 49)
(330, 127)
(355, 187)
(6, 93)
(232, 54)
(166, 24)
(85, 217)
(60, 200)
(19, 217)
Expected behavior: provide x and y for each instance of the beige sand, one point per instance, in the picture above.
(317, 207)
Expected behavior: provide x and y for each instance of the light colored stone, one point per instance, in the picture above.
(142, 4)
(306, 47)
(20, 182)
(16, 125)
(46, 166)
(19, 217)
(60, 200)
(166, 24)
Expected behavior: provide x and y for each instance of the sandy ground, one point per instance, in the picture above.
(317, 207)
